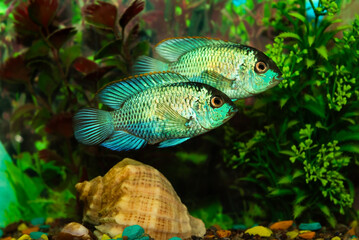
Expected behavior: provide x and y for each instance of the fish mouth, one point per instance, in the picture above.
(275, 81)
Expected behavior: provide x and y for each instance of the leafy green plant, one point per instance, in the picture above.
(54, 65)
(298, 160)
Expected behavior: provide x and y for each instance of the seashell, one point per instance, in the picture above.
(133, 193)
(74, 230)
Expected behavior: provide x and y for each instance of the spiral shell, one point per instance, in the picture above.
(135, 193)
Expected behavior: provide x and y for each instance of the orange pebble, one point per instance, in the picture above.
(351, 232)
(30, 230)
(307, 235)
(282, 225)
(223, 233)
(5, 238)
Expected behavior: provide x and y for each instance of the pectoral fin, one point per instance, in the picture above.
(172, 142)
(174, 120)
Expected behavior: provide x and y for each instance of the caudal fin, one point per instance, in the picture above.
(92, 126)
(146, 64)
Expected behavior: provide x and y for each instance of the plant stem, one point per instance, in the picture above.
(39, 98)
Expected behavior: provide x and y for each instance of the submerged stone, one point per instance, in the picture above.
(306, 234)
(292, 234)
(310, 226)
(30, 230)
(37, 235)
(282, 225)
(175, 238)
(239, 227)
(260, 230)
(133, 232)
(22, 227)
(37, 221)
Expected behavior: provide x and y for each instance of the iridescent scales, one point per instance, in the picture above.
(237, 70)
(153, 108)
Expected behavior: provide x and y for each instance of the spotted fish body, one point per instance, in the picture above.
(160, 108)
(237, 70)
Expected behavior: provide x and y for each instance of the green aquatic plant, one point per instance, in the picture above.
(305, 156)
(54, 56)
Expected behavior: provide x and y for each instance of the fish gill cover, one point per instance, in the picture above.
(290, 153)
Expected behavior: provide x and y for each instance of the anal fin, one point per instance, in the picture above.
(123, 141)
(172, 142)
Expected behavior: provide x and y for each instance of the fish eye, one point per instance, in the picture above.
(216, 101)
(261, 67)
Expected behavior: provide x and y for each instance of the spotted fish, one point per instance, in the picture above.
(237, 70)
(164, 108)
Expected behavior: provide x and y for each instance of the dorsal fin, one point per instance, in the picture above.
(115, 93)
(173, 48)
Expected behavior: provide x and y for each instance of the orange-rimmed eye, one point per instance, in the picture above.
(216, 101)
(261, 67)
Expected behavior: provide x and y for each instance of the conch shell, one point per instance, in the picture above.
(135, 193)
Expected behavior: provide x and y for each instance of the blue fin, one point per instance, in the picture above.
(145, 64)
(116, 93)
(172, 142)
(123, 141)
(92, 126)
(173, 48)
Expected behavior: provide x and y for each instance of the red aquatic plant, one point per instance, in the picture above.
(42, 12)
(101, 14)
(60, 124)
(15, 70)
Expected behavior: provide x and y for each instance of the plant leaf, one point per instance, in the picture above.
(42, 12)
(60, 124)
(84, 65)
(289, 35)
(101, 15)
(309, 62)
(136, 7)
(322, 50)
(15, 70)
(59, 37)
(298, 16)
(353, 148)
(298, 210)
(111, 49)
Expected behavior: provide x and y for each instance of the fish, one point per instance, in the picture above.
(161, 107)
(237, 70)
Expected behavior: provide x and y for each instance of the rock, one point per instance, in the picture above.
(282, 225)
(30, 230)
(260, 230)
(105, 237)
(306, 234)
(37, 221)
(239, 227)
(292, 234)
(74, 230)
(22, 227)
(37, 235)
(133, 232)
(175, 238)
(223, 233)
(310, 226)
(336, 238)
(24, 237)
(44, 226)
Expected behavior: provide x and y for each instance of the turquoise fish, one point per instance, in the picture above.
(237, 70)
(162, 108)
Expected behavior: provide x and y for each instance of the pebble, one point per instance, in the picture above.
(239, 227)
(7, 238)
(118, 236)
(306, 234)
(24, 237)
(22, 227)
(223, 233)
(44, 226)
(37, 221)
(292, 234)
(1, 233)
(175, 238)
(336, 238)
(310, 226)
(36, 235)
(30, 230)
(282, 225)
(133, 232)
(49, 220)
(105, 237)
(260, 230)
